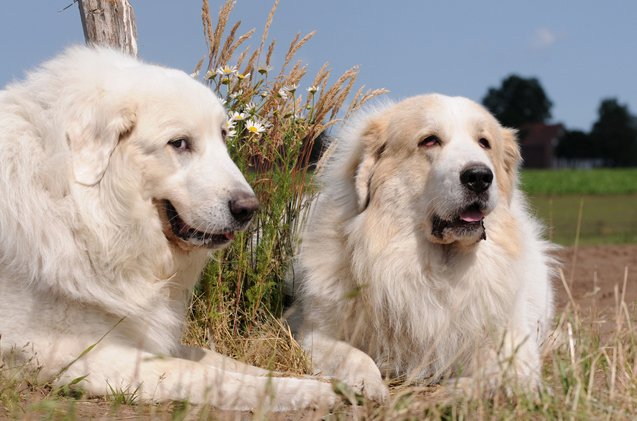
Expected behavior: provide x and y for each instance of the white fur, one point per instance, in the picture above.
(85, 258)
(379, 293)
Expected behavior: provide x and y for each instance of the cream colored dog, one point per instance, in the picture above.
(419, 257)
(115, 185)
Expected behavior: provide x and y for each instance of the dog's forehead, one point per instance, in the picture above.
(457, 111)
(173, 96)
(442, 115)
(187, 92)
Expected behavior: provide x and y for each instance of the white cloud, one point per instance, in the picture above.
(543, 38)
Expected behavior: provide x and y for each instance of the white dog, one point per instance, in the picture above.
(419, 258)
(115, 184)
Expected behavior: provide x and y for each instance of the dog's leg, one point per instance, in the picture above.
(339, 359)
(520, 358)
(120, 368)
(511, 363)
(214, 359)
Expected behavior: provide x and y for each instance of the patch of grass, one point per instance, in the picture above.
(605, 219)
(580, 182)
(606, 198)
(126, 396)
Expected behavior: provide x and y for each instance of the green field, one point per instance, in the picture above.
(595, 206)
(604, 219)
(580, 182)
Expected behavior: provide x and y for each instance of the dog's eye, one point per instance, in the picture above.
(180, 144)
(430, 141)
(484, 143)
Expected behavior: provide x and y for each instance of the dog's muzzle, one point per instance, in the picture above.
(242, 206)
(469, 222)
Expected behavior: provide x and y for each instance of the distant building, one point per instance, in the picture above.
(537, 144)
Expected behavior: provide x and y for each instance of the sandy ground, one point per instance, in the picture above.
(593, 273)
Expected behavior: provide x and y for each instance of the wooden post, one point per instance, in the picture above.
(109, 23)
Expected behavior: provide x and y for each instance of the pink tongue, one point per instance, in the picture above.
(471, 215)
(229, 235)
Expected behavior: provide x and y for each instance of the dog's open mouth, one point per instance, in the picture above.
(469, 221)
(190, 235)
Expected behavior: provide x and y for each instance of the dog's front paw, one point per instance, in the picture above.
(356, 389)
(364, 379)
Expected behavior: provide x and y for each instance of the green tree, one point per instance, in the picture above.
(616, 134)
(577, 144)
(518, 101)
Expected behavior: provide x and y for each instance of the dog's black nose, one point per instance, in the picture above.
(476, 177)
(243, 205)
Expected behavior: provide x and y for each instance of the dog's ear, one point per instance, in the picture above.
(92, 138)
(372, 147)
(512, 157)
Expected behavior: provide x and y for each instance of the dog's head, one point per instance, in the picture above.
(441, 164)
(158, 131)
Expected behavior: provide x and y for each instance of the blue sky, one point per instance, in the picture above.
(581, 50)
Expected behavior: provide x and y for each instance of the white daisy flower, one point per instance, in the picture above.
(313, 89)
(291, 89)
(235, 116)
(254, 126)
(242, 76)
(264, 94)
(236, 94)
(282, 93)
(250, 107)
(227, 70)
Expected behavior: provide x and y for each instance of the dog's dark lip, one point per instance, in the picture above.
(467, 220)
(191, 235)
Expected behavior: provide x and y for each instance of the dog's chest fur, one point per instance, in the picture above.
(432, 311)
